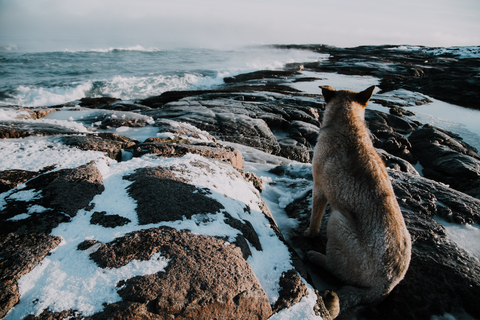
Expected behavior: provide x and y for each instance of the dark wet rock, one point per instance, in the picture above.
(205, 278)
(125, 106)
(110, 143)
(98, 103)
(226, 154)
(300, 129)
(168, 197)
(108, 220)
(389, 133)
(446, 158)
(441, 76)
(380, 121)
(293, 290)
(19, 254)
(228, 118)
(20, 129)
(262, 74)
(240, 90)
(442, 277)
(292, 149)
(58, 195)
(397, 163)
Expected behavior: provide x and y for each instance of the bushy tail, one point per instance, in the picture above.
(349, 297)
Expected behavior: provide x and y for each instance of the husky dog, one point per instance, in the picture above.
(368, 245)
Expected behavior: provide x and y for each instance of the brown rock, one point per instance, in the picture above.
(110, 143)
(205, 278)
(227, 154)
(10, 179)
(19, 254)
(293, 290)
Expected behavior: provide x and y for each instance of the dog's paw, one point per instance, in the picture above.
(332, 303)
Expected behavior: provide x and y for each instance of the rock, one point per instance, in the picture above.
(255, 179)
(227, 154)
(168, 197)
(397, 163)
(183, 130)
(125, 310)
(51, 199)
(98, 103)
(205, 278)
(300, 129)
(446, 158)
(262, 74)
(293, 290)
(421, 70)
(110, 143)
(108, 220)
(19, 129)
(291, 149)
(10, 179)
(228, 118)
(19, 254)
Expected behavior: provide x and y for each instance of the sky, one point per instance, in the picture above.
(224, 23)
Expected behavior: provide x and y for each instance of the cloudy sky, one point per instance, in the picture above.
(223, 23)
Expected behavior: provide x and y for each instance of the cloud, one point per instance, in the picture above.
(229, 22)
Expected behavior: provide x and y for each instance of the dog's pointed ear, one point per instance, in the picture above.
(328, 93)
(364, 96)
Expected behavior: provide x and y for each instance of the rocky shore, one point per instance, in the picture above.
(199, 208)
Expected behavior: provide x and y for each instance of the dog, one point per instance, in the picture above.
(368, 246)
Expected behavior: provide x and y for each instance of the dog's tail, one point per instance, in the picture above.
(348, 297)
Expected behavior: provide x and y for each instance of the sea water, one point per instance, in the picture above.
(52, 78)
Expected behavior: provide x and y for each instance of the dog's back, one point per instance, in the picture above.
(368, 244)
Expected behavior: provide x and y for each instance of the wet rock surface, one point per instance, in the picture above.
(440, 75)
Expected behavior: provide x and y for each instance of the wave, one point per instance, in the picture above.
(138, 48)
(125, 88)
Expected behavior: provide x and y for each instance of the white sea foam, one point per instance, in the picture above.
(32, 96)
(111, 49)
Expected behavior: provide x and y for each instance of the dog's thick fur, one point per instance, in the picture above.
(368, 245)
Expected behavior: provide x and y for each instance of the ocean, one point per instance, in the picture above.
(33, 79)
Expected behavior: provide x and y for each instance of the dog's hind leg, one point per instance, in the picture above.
(318, 207)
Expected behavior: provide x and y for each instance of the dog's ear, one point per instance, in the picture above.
(328, 93)
(364, 96)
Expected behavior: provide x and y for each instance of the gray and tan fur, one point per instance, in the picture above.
(368, 245)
